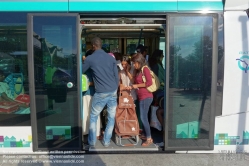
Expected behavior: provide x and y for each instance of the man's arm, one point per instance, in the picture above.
(115, 70)
(86, 65)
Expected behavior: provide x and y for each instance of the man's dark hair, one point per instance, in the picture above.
(97, 42)
(89, 52)
(141, 49)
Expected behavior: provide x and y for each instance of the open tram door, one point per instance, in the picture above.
(53, 46)
(123, 33)
(191, 47)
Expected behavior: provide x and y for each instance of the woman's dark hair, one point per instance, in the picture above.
(118, 56)
(155, 58)
(132, 54)
(140, 59)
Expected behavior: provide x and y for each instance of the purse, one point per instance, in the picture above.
(155, 81)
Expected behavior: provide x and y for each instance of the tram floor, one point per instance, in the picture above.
(156, 146)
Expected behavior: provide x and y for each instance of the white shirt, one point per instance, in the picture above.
(127, 82)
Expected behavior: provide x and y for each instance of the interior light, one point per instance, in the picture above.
(204, 11)
(121, 29)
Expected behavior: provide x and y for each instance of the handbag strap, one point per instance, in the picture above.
(125, 93)
(143, 77)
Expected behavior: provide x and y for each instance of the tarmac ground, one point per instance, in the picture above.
(148, 159)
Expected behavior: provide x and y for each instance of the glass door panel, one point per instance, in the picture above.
(190, 71)
(54, 53)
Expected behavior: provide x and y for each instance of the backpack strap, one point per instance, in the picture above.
(143, 69)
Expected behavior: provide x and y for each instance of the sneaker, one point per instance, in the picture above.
(105, 145)
(160, 144)
(87, 146)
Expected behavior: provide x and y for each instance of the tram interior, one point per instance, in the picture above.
(123, 35)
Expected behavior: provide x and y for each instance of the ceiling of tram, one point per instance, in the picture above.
(123, 26)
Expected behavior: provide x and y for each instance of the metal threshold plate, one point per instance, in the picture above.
(114, 147)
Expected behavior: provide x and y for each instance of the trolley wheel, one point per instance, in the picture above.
(117, 140)
(137, 139)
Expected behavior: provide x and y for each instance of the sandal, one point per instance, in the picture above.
(148, 142)
(100, 137)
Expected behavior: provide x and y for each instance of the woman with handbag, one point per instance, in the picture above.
(144, 96)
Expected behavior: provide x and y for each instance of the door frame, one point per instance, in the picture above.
(213, 82)
(32, 78)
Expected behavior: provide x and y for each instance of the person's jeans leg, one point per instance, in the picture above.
(138, 114)
(144, 106)
(111, 109)
(97, 106)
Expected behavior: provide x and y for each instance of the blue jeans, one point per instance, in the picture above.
(144, 106)
(99, 100)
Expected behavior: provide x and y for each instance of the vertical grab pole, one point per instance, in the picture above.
(140, 36)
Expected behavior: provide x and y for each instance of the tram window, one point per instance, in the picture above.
(14, 98)
(132, 45)
(110, 45)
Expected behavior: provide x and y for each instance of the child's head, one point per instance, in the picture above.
(125, 61)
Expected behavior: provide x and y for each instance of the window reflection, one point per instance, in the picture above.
(14, 97)
(56, 92)
(190, 80)
(220, 74)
